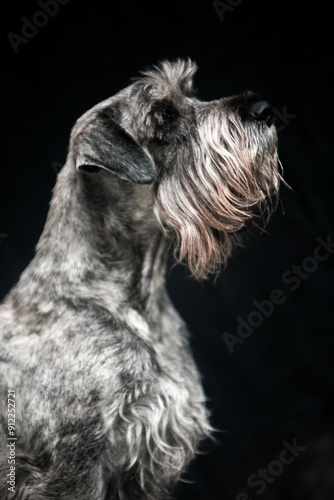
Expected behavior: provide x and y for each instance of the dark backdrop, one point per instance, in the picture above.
(275, 390)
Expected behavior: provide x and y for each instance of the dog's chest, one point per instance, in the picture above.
(158, 408)
(155, 351)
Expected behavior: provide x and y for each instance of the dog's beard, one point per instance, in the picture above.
(214, 193)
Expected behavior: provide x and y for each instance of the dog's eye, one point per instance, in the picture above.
(168, 114)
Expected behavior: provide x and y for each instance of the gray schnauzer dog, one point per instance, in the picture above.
(108, 401)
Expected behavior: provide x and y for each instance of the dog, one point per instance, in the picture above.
(101, 398)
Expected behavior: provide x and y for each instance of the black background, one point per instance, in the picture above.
(278, 384)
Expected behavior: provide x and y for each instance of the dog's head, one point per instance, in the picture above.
(213, 165)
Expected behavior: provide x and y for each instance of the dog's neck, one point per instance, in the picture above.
(101, 235)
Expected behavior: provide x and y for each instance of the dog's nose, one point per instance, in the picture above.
(260, 111)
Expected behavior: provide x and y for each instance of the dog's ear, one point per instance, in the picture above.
(102, 143)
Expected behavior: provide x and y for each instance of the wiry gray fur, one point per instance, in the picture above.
(109, 403)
